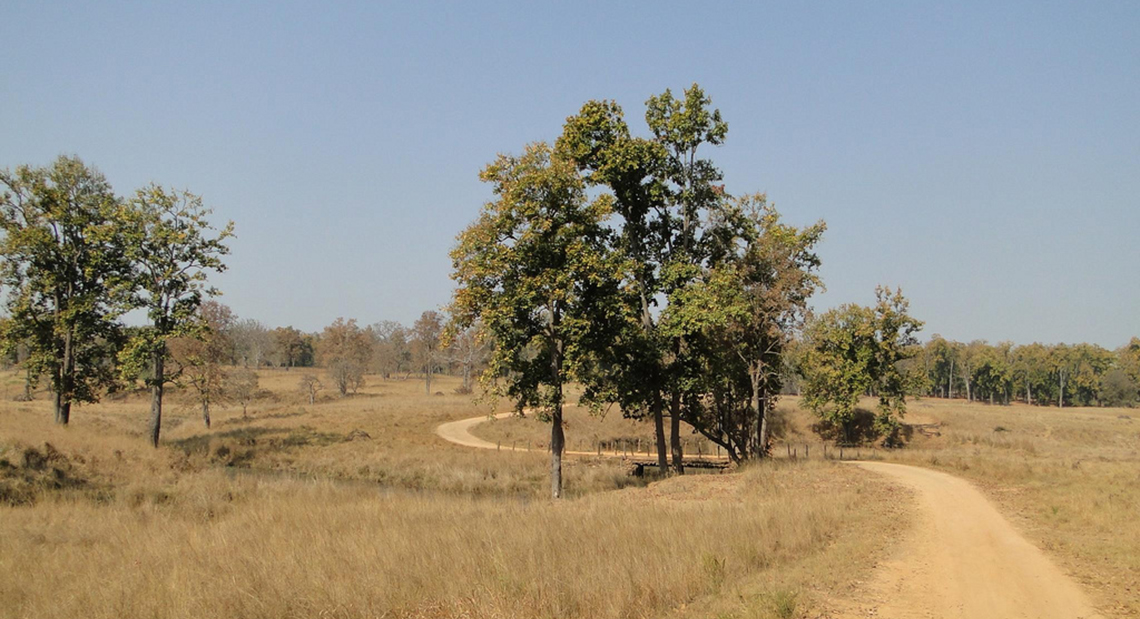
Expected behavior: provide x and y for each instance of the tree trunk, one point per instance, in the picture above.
(950, 382)
(765, 428)
(758, 448)
(206, 412)
(557, 444)
(1061, 393)
(158, 381)
(427, 380)
(61, 408)
(675, 433)
(659, 430)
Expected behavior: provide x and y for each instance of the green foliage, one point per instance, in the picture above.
(536, 271)
(743, 314)
(171, 245)
(63, 261)
(854, 350)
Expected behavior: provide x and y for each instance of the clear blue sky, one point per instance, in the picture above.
(985, 158)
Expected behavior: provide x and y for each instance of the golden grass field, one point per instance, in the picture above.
(281, 515)
(354, 508)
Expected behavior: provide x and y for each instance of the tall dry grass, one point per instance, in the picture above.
(211, 545)
(353, 508)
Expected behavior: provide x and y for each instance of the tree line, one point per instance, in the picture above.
(1058, 375)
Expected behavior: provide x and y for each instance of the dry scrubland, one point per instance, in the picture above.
(281, 515)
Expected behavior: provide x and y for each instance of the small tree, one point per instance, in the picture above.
(242, 386)
(345, 350)
(310, 385)
(426, 335)
(252, 341)
(172, 246)
(853, 350)
(748, 307)
(391, 352)
(470, 348)
(200, 357)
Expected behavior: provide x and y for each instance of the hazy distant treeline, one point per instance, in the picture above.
(1058, 375)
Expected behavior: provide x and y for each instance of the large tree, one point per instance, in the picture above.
(536, 271)
(172, 246)
(289, 347)
(62, 260)
(661, 189)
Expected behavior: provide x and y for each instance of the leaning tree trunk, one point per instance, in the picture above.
(157, 381)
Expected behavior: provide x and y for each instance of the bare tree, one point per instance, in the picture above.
(391, 350)
(469, 348)
(345, 350)
(310, 385)
(200, 358)
(252, 343)
(425, 344)
(242, 386)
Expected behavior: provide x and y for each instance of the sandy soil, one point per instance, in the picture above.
(962, 560)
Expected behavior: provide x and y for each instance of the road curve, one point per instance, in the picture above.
(963, 560)
(459, 432)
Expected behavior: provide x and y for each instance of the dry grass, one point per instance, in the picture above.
(281, 515)
(213, 546)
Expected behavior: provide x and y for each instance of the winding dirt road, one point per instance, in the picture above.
(963, 560)
(459, 432)
(960, 560)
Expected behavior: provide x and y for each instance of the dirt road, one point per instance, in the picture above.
(963, 560)
(459, 432)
